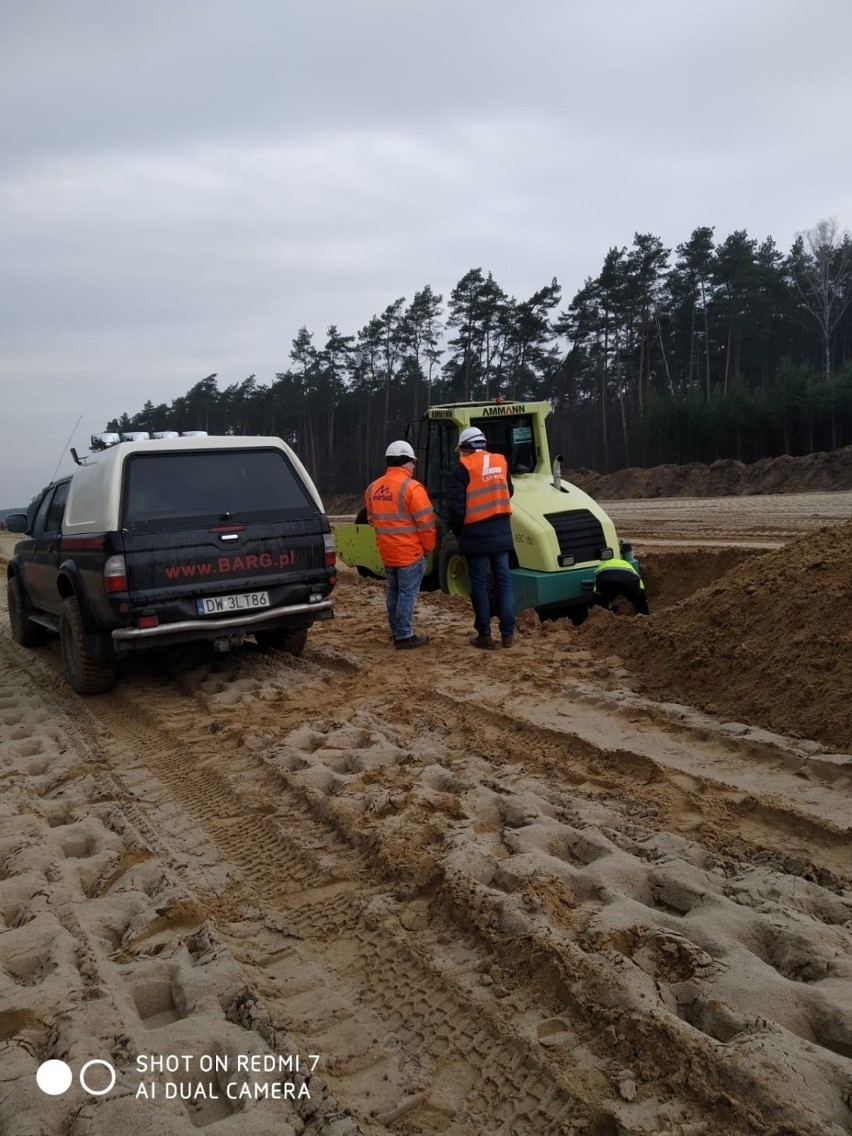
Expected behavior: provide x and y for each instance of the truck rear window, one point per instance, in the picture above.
(169, 490)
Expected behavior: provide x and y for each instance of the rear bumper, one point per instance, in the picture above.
(126, 638)
(551, 590)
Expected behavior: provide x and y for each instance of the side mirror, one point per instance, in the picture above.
(17, 522)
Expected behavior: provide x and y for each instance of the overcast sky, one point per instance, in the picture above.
(186, 183)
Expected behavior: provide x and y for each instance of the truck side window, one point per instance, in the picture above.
(39, 524)
(57, 508)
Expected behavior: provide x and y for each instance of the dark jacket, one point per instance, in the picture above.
(491, 535)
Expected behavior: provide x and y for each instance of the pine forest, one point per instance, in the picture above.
(709, 350)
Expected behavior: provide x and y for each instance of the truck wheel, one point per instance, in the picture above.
(282, 639)
(85, 674)
(452, 570)
(24, 632)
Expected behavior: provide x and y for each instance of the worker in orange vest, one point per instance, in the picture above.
(399, 509)
(480, 511)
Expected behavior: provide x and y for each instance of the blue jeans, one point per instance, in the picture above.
(401, 596)
(477, 574)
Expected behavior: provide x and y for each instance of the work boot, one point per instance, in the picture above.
(485, 642)
(411, 642)
(507, 640)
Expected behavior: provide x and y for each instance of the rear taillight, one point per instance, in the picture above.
(330, 550)
(115, 574)
(148, 621)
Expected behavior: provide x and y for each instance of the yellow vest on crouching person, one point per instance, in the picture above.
(621, 566)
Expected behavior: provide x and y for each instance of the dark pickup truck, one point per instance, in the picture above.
(159, 542)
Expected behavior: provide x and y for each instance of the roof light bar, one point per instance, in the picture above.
(109, 438)
(104, 441)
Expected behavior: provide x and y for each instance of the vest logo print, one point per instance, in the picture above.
(489, 470)
(382, 493)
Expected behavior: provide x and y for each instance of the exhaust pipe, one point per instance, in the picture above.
(557, 472)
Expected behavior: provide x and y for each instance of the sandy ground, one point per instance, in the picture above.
(463, 893)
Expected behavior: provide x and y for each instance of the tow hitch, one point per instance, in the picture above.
(227, 643)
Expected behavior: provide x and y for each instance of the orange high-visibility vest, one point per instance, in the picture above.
(399, 509)
(488, 487)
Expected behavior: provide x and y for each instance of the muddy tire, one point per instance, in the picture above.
(84, 674)
(24, 631)
(280, 639)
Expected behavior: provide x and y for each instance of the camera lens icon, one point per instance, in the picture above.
(54, 1077)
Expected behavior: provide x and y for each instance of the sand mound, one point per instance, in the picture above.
(724, 478)
(672, 575)
(769, 643)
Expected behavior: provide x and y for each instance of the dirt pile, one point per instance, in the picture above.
(823, 471)
(343, 504)
(674, 574)
(769, 643)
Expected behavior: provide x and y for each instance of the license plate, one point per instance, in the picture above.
(222, 605)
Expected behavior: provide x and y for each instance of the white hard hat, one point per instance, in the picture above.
(471, 438)
(400, 450)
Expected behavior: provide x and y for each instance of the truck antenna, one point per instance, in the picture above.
(68, 443)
